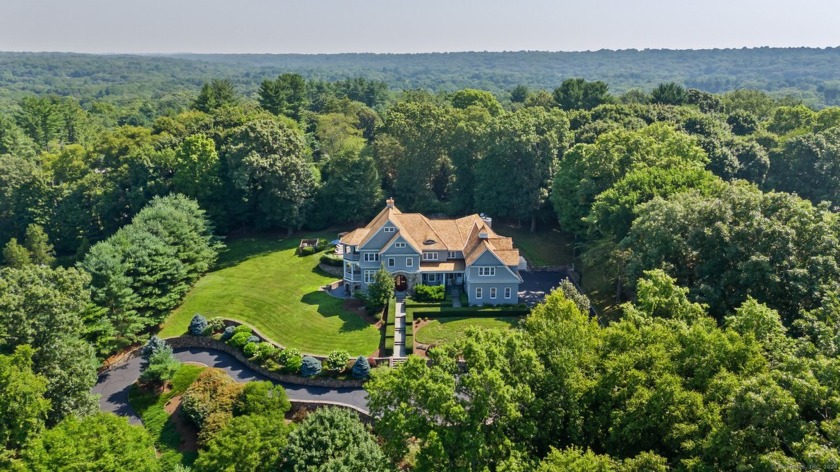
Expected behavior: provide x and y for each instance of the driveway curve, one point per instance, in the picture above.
(113, 385)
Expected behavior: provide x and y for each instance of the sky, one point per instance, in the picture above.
(400, 26)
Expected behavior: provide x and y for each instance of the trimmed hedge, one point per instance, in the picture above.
(409, 332)
(429, 293)
(389, 339)
(332, 260)
(466, 312)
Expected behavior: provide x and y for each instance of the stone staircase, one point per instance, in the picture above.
(397, 361)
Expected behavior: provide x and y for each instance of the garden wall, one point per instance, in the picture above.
(204, 342)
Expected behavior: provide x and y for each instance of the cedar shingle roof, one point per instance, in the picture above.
(461, 234)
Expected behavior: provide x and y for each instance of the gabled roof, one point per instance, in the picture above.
(353, 238)
(469, 234)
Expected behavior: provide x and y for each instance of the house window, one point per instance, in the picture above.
(371, 257)
(409, 262)
(478, 292)
(399, 245)
(390, 229)
(493, 293)
(430, 256)
(369, 276)
(486, 271)
(507, 293)
(391, 262)
(452, 255)
(431, 277)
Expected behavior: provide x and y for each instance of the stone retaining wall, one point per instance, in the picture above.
(303, 405)
(332, 270)
(264, 338)
(204, 342)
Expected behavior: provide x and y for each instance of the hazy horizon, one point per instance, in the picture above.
(399, 27)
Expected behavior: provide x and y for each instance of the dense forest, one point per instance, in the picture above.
(806, 74)
(712, 217)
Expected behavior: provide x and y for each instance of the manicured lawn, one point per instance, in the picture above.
(448, 329)
(545, 247)
(150, 407)
(263, 282)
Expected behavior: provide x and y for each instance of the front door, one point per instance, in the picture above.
(400, 283)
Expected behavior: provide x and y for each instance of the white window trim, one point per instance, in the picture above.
(371, 257)
(484, 271)
(508, 293)
(392, 262)
(478, 293)
(390, 229)
(399, 245)
(409, 261)
(431, 278)
(369, 276)
(427, 256)
(452, 255)
(492, 293)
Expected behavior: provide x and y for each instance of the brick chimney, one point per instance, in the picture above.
(389, 202)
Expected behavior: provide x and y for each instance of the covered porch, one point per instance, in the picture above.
(447, 273)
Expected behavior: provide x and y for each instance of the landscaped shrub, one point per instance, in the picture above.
(212, 392)
(361, 368)
(214, 423)
(310, 366)
(239, 340)
(266, 350)
(332, 260)
(250, 349)
(262, 398)
(198, 325)
(228, 333)
(307, 251)
(153, 345)
(253, 339)
(291, 359)
(380, 291)
(161, 367)
(429, 293)
(337, 360)
(242, 329)
(216, 324)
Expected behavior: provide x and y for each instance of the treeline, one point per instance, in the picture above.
(808, 74)
(308, 154)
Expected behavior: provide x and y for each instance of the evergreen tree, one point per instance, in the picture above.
(40, 250)
(15, 255)
(380, 291)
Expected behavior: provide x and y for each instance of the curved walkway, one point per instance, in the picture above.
(113, 385)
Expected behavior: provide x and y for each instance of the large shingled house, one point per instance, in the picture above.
(462, 252)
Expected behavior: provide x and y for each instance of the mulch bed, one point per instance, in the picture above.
(187, 431)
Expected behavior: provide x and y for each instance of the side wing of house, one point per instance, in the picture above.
(490, 282)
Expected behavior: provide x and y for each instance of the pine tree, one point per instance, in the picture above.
(15, 255)
(40, 250)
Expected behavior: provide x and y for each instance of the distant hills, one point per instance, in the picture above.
(809, 74)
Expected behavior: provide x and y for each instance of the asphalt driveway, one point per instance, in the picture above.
(113, 385)
(536, 285)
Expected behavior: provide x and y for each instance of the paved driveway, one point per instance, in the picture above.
(113, 385)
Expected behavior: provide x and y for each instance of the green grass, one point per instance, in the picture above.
(449, 329)
(150, 407)
(262, 281)
(545, 247)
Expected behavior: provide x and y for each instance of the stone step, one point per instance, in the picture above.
(396, 361)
